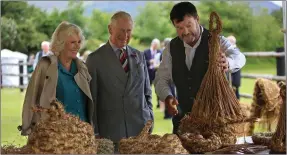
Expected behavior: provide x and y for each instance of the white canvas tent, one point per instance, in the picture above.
(11, 57)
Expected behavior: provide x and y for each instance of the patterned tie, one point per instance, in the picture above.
(124, 60)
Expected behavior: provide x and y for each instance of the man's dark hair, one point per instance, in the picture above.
(181, 9)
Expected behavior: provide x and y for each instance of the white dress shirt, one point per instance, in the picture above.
(235, 58)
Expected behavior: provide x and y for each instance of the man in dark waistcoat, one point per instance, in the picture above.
(185, 61)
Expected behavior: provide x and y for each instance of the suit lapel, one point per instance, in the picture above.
(114, 64)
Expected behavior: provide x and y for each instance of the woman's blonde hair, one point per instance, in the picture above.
(60, 34)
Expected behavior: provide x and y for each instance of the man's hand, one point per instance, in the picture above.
(222, 61)
(151, 62)
(171, 103)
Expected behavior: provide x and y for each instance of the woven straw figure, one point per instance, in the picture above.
(215, 101)
(62, 133)
(141, 144)
(145, 143)
(207, 127)
(266, 103)
(278, 142)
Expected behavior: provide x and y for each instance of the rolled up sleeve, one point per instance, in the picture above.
(235, 58)
(164, 76)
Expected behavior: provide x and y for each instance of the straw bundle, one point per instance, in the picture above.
(278, 142)
(141, 144)
(198, 139)
(266, 103)
(12, 149)
(105, 146)
(145, 143)
(262, 138)
(199, 143)
(169, 144)
(62, 133)
(215, 102)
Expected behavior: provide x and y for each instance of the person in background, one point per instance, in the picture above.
(236, 76)
(152, 56)
(61, 76)
(31, 60)
(45, 45)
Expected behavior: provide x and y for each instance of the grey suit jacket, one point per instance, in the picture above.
(122, 102)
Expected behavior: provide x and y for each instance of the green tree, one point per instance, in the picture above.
(267, 33)
(47, 23)
(8, 33)
(252, 33)
(153, 22)
(75, 14)
(98, 25)
(16, 10)
(28, 38)
(278, 15)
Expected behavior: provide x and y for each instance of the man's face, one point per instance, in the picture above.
(45, 48)
(121, 32)
(155, 46)
(188, 30)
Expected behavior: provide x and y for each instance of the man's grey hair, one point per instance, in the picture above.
(155, 41)
(120, 14)
(45, 43)
(60, 35)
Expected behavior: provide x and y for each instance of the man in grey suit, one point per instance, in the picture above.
(120, 83)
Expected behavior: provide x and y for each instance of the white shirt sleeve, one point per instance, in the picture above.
(235, 58)
(164, 75)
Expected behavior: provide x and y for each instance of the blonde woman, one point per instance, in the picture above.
(61, 76)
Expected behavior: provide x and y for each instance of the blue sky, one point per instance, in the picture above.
(277, 3)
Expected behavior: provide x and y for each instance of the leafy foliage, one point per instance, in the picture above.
(24, 27)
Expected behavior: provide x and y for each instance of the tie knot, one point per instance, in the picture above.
(121, 50)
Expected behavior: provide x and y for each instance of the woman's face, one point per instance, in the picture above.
(72, 46)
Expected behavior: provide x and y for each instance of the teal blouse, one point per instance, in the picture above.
(69, 93)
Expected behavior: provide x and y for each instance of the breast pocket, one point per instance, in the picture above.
(140, 71)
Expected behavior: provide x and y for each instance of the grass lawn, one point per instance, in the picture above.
(12, 100)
